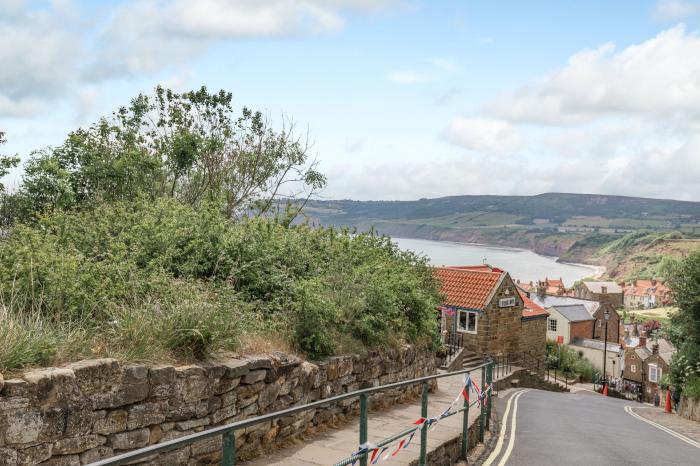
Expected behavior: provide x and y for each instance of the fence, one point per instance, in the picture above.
(453, 344)
(229, 439)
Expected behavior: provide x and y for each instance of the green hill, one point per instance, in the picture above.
(577, 227)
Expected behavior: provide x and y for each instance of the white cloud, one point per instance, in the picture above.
(659, 78)
(444, 64)
(407, 77)
(675, 10)
(482, 134)
(49, 50)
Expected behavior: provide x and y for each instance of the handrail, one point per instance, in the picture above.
(228, 429)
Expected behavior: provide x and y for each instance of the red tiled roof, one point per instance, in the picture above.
(476, 268)
(530, 308)
(466, 288)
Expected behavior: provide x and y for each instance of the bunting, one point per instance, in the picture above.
(387, 452)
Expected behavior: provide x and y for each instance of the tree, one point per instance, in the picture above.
(7, 162)
(187, 146)
(684, 333)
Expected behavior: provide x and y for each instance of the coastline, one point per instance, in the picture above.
(596, 271)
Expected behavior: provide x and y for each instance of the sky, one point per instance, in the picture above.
(402, 99)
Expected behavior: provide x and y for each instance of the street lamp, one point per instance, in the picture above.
(606, 315)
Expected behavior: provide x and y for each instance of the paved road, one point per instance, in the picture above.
(583, 429)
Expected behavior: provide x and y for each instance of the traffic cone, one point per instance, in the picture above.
(667, 408)
(605, 390)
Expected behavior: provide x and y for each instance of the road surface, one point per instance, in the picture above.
(582, 429)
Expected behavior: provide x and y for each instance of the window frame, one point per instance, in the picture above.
(633, 368)
(459, 321)
(549, 325)
(657, 372)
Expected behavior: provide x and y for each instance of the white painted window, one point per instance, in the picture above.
(633, 367)
(654, 373)
(467, 321)
(506, 302)
(552, 325)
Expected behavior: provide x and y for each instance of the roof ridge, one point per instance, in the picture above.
(456, 269)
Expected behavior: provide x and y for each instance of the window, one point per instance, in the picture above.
(467, 321)
(506, 302)
(654, 373)
(552, 325)
(633, 368)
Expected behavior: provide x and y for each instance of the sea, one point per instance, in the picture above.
(520, 263)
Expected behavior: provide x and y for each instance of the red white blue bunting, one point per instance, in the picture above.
(375, 453)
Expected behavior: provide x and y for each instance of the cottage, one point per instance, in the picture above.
(645, 364)
(645, 294)
(600, 291)
(566, 322)
(595, 351)
(483, 304)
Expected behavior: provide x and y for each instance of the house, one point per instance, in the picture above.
(483, 304)
(595, 330)
(566, 322)
(645, 364)
(600, 291)
(645, 294)
(546, 286)
(595, 351)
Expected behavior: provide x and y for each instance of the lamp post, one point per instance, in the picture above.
(606, 315)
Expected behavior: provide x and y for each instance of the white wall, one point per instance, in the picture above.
(562, 326)
(596, 357)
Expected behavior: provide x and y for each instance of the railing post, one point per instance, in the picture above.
(424, 430)
(229, 456)
(489, 379)
(363, 426)
(482, 414)
(465, 427)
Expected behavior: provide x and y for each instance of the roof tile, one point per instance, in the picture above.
(465, 287)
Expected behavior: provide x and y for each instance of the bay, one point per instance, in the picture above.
(520, 263)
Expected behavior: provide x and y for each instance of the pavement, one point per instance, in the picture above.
(581, 428)
(673, 421)
(332, 446)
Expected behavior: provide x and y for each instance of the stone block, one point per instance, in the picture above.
(34, 455)
(224, 413)
(114, 421)
(246, 391)
(245, 402)
(206, 446)
(236, 368)
(8, 457)
(65, 460)
(146, 414)
(228, 399)
(123, 395)
(23, 427)
(134, 374)
(254, 376)
(130, 440)
(81, 422)
(16, 387)
(173, 458)
(156, 434)
(13, 403)
(259, 362)
(96, 375)
(96, 454)
(225, 385)
(268, 394)
(191, 424)
(80, 444)
(52, 387)
(191, 384)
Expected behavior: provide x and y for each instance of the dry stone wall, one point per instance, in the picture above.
(94, 409)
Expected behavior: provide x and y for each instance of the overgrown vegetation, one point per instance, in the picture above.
(684, 331)
(569, 362)
(158, 234)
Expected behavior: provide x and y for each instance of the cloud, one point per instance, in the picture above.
(675, 10)
(444, 64)
(353, 144)
(407, 77)
(49, 50)
(482, 134)
(657, 79)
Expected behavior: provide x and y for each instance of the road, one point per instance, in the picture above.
(581, 429)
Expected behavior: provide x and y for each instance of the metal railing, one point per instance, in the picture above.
(503, 364)
(228, 431)
(453, 342)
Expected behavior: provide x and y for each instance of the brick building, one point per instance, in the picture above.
(646, 363)
(483, 304)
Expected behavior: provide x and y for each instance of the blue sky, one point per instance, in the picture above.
(402, 99)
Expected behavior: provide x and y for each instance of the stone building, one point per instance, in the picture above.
(646, 363)
(483, 305)
(600, 291)
(645, 294)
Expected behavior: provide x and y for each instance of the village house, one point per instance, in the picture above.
(645, 294)
(645, 364)
(546, 286)
(483, 304)
(600, 291)
(595, 351)
(592, 327)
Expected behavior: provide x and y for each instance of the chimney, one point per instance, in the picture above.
(635, 330)
(603, 290)
(655, 348)
(642, 341)
(541, 289)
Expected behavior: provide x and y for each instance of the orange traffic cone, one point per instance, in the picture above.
(667, 408)
(605, 390)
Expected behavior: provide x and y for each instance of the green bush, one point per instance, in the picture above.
(692, 387)
(158, 279)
